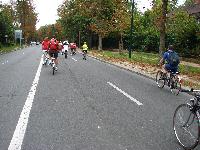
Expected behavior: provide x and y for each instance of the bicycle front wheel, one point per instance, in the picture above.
(175, 86)
(160, 79)
(186, 126)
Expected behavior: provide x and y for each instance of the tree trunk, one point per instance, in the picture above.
(162, 27)
(121, 47)
(100, 43)
(90, 40)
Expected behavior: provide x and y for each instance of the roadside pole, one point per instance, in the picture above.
(131, 35)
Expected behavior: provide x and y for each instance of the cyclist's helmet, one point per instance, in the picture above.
(46, 39)
(54, 36)
(170, 47)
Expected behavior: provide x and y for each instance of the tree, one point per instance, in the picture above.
(182, 30)
(27, 18)
(94, 16)
(162, 27)
(6, 23)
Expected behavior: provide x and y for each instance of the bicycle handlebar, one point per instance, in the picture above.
(191, 90)
(183, 90)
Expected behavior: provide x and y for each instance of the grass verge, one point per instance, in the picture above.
(148, 60)
(6, 49)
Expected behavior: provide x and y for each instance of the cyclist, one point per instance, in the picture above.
(172, 59)
(53, 50)
(45, 48)
(60, 46)
(73, 48)
(85, 48)
(66, 46)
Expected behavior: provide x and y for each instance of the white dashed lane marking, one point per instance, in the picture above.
(74, 59)
(124, 93)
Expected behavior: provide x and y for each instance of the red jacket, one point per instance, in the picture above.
(60, 46)
(53, 44)
(45, 45)
(72, 45)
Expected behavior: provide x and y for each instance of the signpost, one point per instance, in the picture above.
(18, 35)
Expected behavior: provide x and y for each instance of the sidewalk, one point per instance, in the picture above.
(190, 64)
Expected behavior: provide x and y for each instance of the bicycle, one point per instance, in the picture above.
(73, 51)
(84, 54)
(53, 65)
(186, 122)
(45, 58)
(172, 80)
(66, 54)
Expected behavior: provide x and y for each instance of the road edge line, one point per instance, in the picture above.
(18, 136)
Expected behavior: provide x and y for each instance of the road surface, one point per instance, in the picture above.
(86, 105)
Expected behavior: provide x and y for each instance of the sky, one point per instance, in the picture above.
(47, 9)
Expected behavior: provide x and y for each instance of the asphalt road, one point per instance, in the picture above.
(86, 105)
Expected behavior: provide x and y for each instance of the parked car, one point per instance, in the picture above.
(32, 42)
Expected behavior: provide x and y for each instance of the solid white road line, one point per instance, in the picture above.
(127, 95)
(20, 130)
(74, 59)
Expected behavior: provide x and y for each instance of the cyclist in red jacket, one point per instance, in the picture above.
(45, 48)
(53, 50)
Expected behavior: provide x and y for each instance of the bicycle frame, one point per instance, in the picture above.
(194, 108)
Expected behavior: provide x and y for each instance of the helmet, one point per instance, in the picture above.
(170, 47)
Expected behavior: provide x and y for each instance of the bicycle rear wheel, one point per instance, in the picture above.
(53, 70)
(176, 85)
(160, 79)
(186, 126)
(66, 55)
(84, 56)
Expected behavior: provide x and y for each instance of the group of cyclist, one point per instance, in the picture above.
(169, 63)
(52, 47)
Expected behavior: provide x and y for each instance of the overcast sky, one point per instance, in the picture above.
(47, 9)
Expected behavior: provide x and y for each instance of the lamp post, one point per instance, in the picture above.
(131, 35)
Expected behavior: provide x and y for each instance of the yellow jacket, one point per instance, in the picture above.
(85, 47)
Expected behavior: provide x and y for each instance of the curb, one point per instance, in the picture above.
(138, 73)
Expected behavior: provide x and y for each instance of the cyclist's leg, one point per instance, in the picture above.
(174, 70)
(56, 59)
(166, 69)
(85, 52)
(50, 56)
(44, 56)
(47, 54)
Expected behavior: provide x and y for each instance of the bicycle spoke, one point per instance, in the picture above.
(186, 126)
(160, 80)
